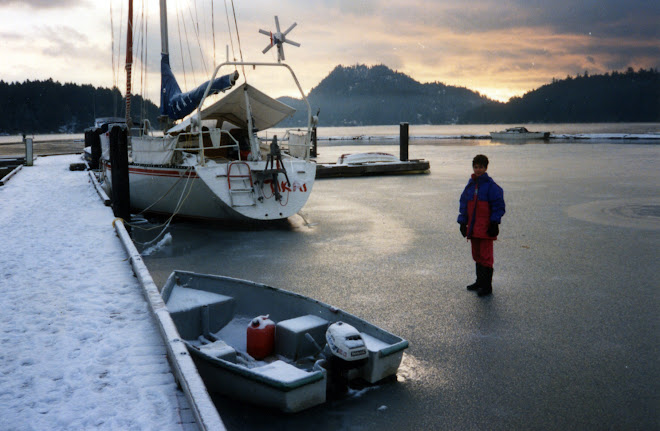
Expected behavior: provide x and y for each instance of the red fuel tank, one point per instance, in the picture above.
(260, 337)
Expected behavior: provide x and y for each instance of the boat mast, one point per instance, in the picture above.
(129, 61)
(163, 119)
(163, 27)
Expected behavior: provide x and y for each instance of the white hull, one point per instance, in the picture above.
(204, 192)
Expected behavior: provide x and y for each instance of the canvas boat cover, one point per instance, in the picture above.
(266, 111)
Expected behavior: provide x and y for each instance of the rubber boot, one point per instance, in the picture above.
(487, 285)
(476, 284)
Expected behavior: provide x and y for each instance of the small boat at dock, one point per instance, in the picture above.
(272, 347)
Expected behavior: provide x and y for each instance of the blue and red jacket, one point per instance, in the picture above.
(481, 202)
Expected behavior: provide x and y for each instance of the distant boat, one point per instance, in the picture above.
(272, 347)
(519, 133)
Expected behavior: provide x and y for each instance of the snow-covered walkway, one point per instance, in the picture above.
(79, 349)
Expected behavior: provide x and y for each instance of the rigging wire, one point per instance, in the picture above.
(192, 66)
(199, 43)
(238, 38)
(183, 62)
(215, 63)
(231, 38)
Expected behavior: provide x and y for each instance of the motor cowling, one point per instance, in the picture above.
(345, 342)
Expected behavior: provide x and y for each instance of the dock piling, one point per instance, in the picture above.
(29, 155)
(403, 142)
(119, 168)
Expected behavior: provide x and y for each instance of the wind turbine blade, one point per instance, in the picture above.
(292, 42)
(281, 51)
(267, 33)
(290, 28)
(266, 49)
(277, 24)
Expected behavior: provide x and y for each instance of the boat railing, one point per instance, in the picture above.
(253, 140)
(207, 143)
(296, 143)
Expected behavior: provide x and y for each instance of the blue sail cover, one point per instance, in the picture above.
(176, 104)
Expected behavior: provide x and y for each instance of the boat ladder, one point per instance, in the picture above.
(240, 185)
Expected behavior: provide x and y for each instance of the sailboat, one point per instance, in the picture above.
(212, 164)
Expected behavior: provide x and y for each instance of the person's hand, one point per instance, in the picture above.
(463, 229)
(493, 229)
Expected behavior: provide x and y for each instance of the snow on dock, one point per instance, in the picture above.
(79, 348)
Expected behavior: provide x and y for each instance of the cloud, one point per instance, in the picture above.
(42, 4)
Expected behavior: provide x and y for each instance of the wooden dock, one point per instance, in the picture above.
(333, 170)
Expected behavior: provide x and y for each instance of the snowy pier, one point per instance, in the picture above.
(79, 344)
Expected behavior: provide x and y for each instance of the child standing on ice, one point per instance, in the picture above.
(480, 213)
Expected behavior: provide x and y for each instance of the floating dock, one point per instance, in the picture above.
(334, 170)
(377, 166)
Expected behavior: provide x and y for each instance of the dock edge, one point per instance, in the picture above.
(184, 369)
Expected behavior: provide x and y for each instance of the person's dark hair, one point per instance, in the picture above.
(480, 159)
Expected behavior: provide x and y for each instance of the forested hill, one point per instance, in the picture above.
(362, 95)
(51, 107)
(613, 97)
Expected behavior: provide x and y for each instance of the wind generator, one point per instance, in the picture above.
(278, 38)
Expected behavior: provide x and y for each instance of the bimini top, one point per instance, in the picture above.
(266, 111)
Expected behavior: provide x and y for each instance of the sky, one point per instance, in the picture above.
(500, 48)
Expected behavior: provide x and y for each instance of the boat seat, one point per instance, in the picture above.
(290, 340)
(281, 371)
(186, 305)
(219, 349)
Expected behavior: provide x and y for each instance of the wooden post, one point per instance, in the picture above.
(95, 141)
(29, 156)
(121, 199)
(403, 142)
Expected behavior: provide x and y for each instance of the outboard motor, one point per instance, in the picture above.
(345, 351)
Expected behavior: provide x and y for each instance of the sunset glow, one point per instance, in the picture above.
(499, 50)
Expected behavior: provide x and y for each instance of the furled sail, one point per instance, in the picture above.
(176, 104)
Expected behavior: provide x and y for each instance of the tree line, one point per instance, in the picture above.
(628, 96)
(51, 107)
(359, 96)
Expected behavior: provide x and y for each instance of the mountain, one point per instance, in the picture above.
(363, 95)
(51, 107)
(616, 97)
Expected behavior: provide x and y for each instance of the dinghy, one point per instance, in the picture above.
(272, 347)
